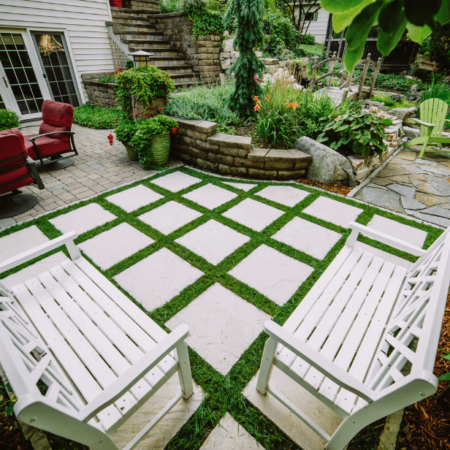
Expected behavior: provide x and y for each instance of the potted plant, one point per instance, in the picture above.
(125, 131)
(152, 140)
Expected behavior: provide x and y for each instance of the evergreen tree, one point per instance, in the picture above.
(249, 35)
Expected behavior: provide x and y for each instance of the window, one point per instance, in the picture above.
(311, 16)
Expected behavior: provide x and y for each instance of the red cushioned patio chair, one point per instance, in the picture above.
(16, 170)
(55, 137)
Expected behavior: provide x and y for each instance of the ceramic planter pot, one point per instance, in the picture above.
(132, 153)
(160, 149)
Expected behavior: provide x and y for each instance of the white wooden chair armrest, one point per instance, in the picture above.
(66, 239)
(383, 237)
(319, 362)
(135, 373)
(425, 124)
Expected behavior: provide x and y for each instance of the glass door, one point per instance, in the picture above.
(20, 87)
(58, 71)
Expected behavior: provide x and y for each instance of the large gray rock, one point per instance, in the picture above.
(328, 166)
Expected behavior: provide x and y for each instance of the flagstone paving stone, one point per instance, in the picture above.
(221, 326)
(158, 278)
(210, 196)
(229, 435)
(213, 241)
(82, 219)
(114, 245)
(253, 214)
(176, 181)
(273, 274)
(285, 195)
(20, 242)
(308, 237)
(399, 230)
(169, 217)
(243, 186)
(333, 211)
(134, 198)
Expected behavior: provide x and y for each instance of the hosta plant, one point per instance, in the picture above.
(356, 132)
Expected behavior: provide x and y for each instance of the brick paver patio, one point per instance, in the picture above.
(98, 167)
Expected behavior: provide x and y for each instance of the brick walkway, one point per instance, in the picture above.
(98, 167)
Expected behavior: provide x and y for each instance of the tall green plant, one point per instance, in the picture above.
(248, 14)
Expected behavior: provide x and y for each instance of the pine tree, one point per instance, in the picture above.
(249, 35)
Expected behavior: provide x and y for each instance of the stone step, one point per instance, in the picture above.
(129, 11)
(158, 52)
(147, 43)
(131, 20)
(164, 15)
(187, 84)
(167, 61)
(173, 70)
(130, 31)
(151, 6)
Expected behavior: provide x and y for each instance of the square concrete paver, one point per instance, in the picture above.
(169, 426)
(285, 195)
(134, 198)
(158, 278)
(399, 230)
(176, 181)
(169, 217)
(213, 241)
(35, 269)
(290, 424)
(253, 214)
(333, 211)
(221, 326)
(210, 196)
(243, 186)
(21, 241)
(308, 237)
(272, 273)
(230, 435)
(109, 248)
(82, 219)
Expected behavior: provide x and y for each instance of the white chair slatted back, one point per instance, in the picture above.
(25, 355)
(415, 323)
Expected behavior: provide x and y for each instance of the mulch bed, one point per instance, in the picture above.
(426, 425)
(342, 190)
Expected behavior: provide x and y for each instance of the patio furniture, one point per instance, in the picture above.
(55, 137)
(16, 170)
(364, 339)
(98, 355)
(432, 114)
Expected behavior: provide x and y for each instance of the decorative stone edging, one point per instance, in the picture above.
(201, 146)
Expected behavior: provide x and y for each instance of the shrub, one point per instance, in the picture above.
(286, 113)
(97, 117)
(126, 129)
(108, 79)
(144, 83)
(392, 81)
(169, 6)
(204, 21)
(205, 103)
(355, 132)
(279, 32)
(437, 47)
(391, 101)
(307, 39)
(8, 119)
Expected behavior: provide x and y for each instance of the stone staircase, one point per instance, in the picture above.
(137, 27)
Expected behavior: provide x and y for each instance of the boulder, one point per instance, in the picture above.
(228, 45)
(328, 166)
(403, 113)
(411, 132)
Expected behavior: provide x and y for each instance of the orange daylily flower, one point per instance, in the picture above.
(256, 107)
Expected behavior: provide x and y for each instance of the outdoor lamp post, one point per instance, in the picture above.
(141, 58)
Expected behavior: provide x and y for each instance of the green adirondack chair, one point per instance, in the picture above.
(432, 113)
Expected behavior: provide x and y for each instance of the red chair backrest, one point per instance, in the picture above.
(56, 116)
(12, 148)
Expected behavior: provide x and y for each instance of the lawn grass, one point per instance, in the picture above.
(314, 49)
(223, 393)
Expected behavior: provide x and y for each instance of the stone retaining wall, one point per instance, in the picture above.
(199, 145)
(202, 53)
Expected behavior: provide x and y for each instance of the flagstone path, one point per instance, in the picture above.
(417, 187)
(222, 257)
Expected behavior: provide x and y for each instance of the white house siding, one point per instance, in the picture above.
(82, 21)
(319, 28)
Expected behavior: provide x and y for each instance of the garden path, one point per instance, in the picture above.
(223, 257)
(417, 187)
(97, 168)
(337, 94)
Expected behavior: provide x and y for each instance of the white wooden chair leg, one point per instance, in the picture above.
(73, 250)
(351, 240)
(266, 366)
(184, 371)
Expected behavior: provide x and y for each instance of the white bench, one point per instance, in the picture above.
(100, 356)
(364, 339)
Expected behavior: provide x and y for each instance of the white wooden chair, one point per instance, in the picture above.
(364, 339)
(98, 354)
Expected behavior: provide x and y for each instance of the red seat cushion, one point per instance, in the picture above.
(56, 116)
(11, 145)
(47, 146)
